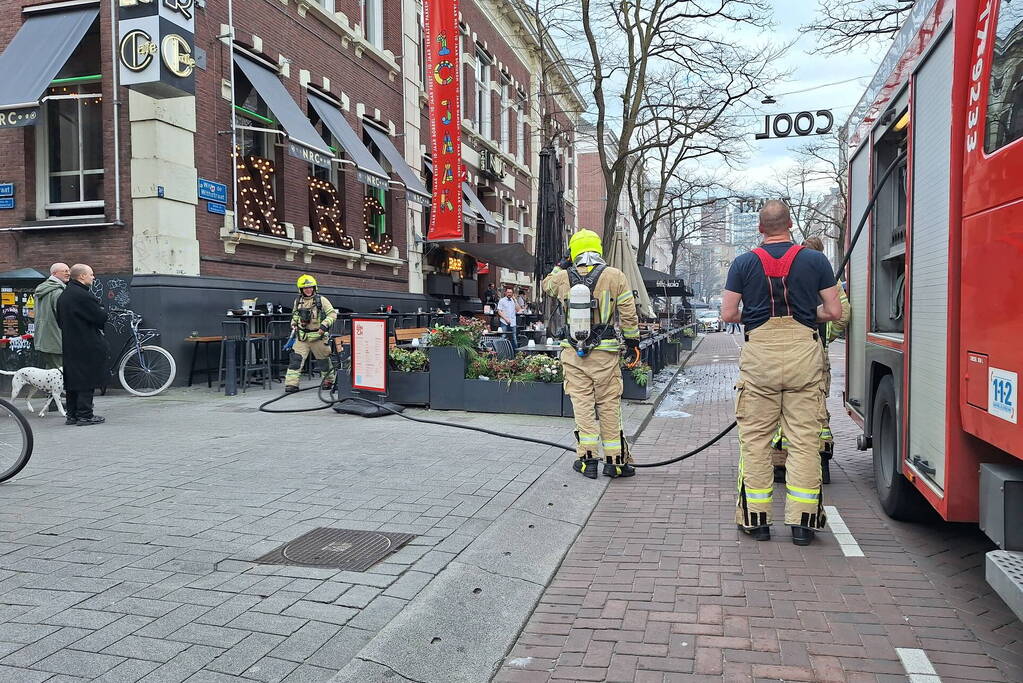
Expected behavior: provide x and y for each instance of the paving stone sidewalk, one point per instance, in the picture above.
(126, 550)
(660, 586)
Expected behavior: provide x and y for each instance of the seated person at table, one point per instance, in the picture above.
(313, 315)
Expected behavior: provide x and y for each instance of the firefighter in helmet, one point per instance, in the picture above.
(828, 333)
(593, 293)
(311, 319)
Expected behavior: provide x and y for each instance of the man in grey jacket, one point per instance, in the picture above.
(47, 338)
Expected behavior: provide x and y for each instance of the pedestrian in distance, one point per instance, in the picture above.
(785, 290)
(46, 337)
(490, 296)
(86, 354)
(507, 310)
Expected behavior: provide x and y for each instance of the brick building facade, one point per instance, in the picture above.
(358, 231)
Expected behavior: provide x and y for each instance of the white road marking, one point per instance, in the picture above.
(846, 541)
(917, 665)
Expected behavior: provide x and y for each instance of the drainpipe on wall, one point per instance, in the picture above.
(234, 120)
(117, 113)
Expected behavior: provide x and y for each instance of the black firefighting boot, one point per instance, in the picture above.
(757, 533)
(586, 466)
(779, 474)
(802, 536)
(618, 469)
(827, 453)
(289, 389)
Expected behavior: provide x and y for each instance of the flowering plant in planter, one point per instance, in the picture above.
(522, 368)
(459, 336)
(641, 374)
(404, 360)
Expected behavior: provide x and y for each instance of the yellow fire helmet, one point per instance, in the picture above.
(306, 281)
(584, 241)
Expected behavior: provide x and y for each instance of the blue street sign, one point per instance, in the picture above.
(214, 192)
(7, 203)
(6, 189)
(214, 207)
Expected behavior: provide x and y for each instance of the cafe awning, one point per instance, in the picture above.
(510, 256)
(295, 123)
(368, 169)
(24, 278)
(37, 53)
(415, 188)
(477, 206)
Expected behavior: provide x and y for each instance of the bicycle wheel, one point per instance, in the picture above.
(146, 373)
(15, 441)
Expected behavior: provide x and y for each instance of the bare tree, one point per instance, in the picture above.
(630, 44)
(842, 25)
(685, 122)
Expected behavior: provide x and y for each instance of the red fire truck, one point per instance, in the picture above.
(935, 347)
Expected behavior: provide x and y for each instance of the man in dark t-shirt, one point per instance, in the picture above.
(785, 291)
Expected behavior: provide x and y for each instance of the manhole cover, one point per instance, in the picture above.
(347, 549)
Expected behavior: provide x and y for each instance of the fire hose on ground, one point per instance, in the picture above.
(331, 402)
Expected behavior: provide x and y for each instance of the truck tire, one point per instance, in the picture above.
(899, 499)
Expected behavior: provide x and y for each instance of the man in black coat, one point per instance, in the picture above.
(81, 319)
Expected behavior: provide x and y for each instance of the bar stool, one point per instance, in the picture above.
(277, 334)
(247, 346)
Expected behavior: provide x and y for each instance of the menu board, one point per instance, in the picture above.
(369, 354)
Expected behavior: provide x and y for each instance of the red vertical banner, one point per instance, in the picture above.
(444, 85)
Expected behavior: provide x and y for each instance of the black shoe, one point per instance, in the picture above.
(94, 420)
(290, 389)
(801, 535)
(825, 470)
(757, 533)
(586, 466)
(70, 420)
(779, 474)
(615, 471)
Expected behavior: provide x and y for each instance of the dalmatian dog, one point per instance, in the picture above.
(49, 382)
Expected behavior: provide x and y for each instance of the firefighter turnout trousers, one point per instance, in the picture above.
(780, 443)
(316, 345)
(594, 382)
(780, 381)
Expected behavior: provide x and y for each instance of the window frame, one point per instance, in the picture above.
(45, 208)
(484, 110)
(373, 22)
(997, 125)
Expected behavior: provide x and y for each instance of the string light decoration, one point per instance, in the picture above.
(325, 215)
(374, 220)
(454, 264)
(257, 204)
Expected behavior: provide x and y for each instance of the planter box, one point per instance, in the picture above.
(631, 390)
(671, 353)
(566, 405)
(686, 343)
(447, 377)
(408, 388)
(521, 398)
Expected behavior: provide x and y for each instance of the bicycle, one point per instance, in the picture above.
(15, 441)
(143, 369)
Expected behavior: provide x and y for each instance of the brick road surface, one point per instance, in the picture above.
(659, 586)
(126, 550)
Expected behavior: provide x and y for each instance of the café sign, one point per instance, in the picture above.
(24, 116)
(156, 46)
(801, 124)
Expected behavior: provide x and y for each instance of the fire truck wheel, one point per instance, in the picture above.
(898, 497)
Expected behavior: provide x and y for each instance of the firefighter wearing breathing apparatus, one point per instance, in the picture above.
(311, 319)
(593, 293)
(780, 285)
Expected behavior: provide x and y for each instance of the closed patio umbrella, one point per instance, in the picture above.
(621, 256)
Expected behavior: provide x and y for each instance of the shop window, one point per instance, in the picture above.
(1005, 99)
(325, 4)
(376, 226)
(256, 160)
(520, 129)
(373, 22)
(421, 33)
(69, 153)
(483, 109)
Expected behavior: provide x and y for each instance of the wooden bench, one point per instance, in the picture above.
(208, 370)
(410, 333)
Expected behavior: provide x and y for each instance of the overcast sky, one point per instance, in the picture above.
(809, 70)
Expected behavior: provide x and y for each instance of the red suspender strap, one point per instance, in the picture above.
(774, 267)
